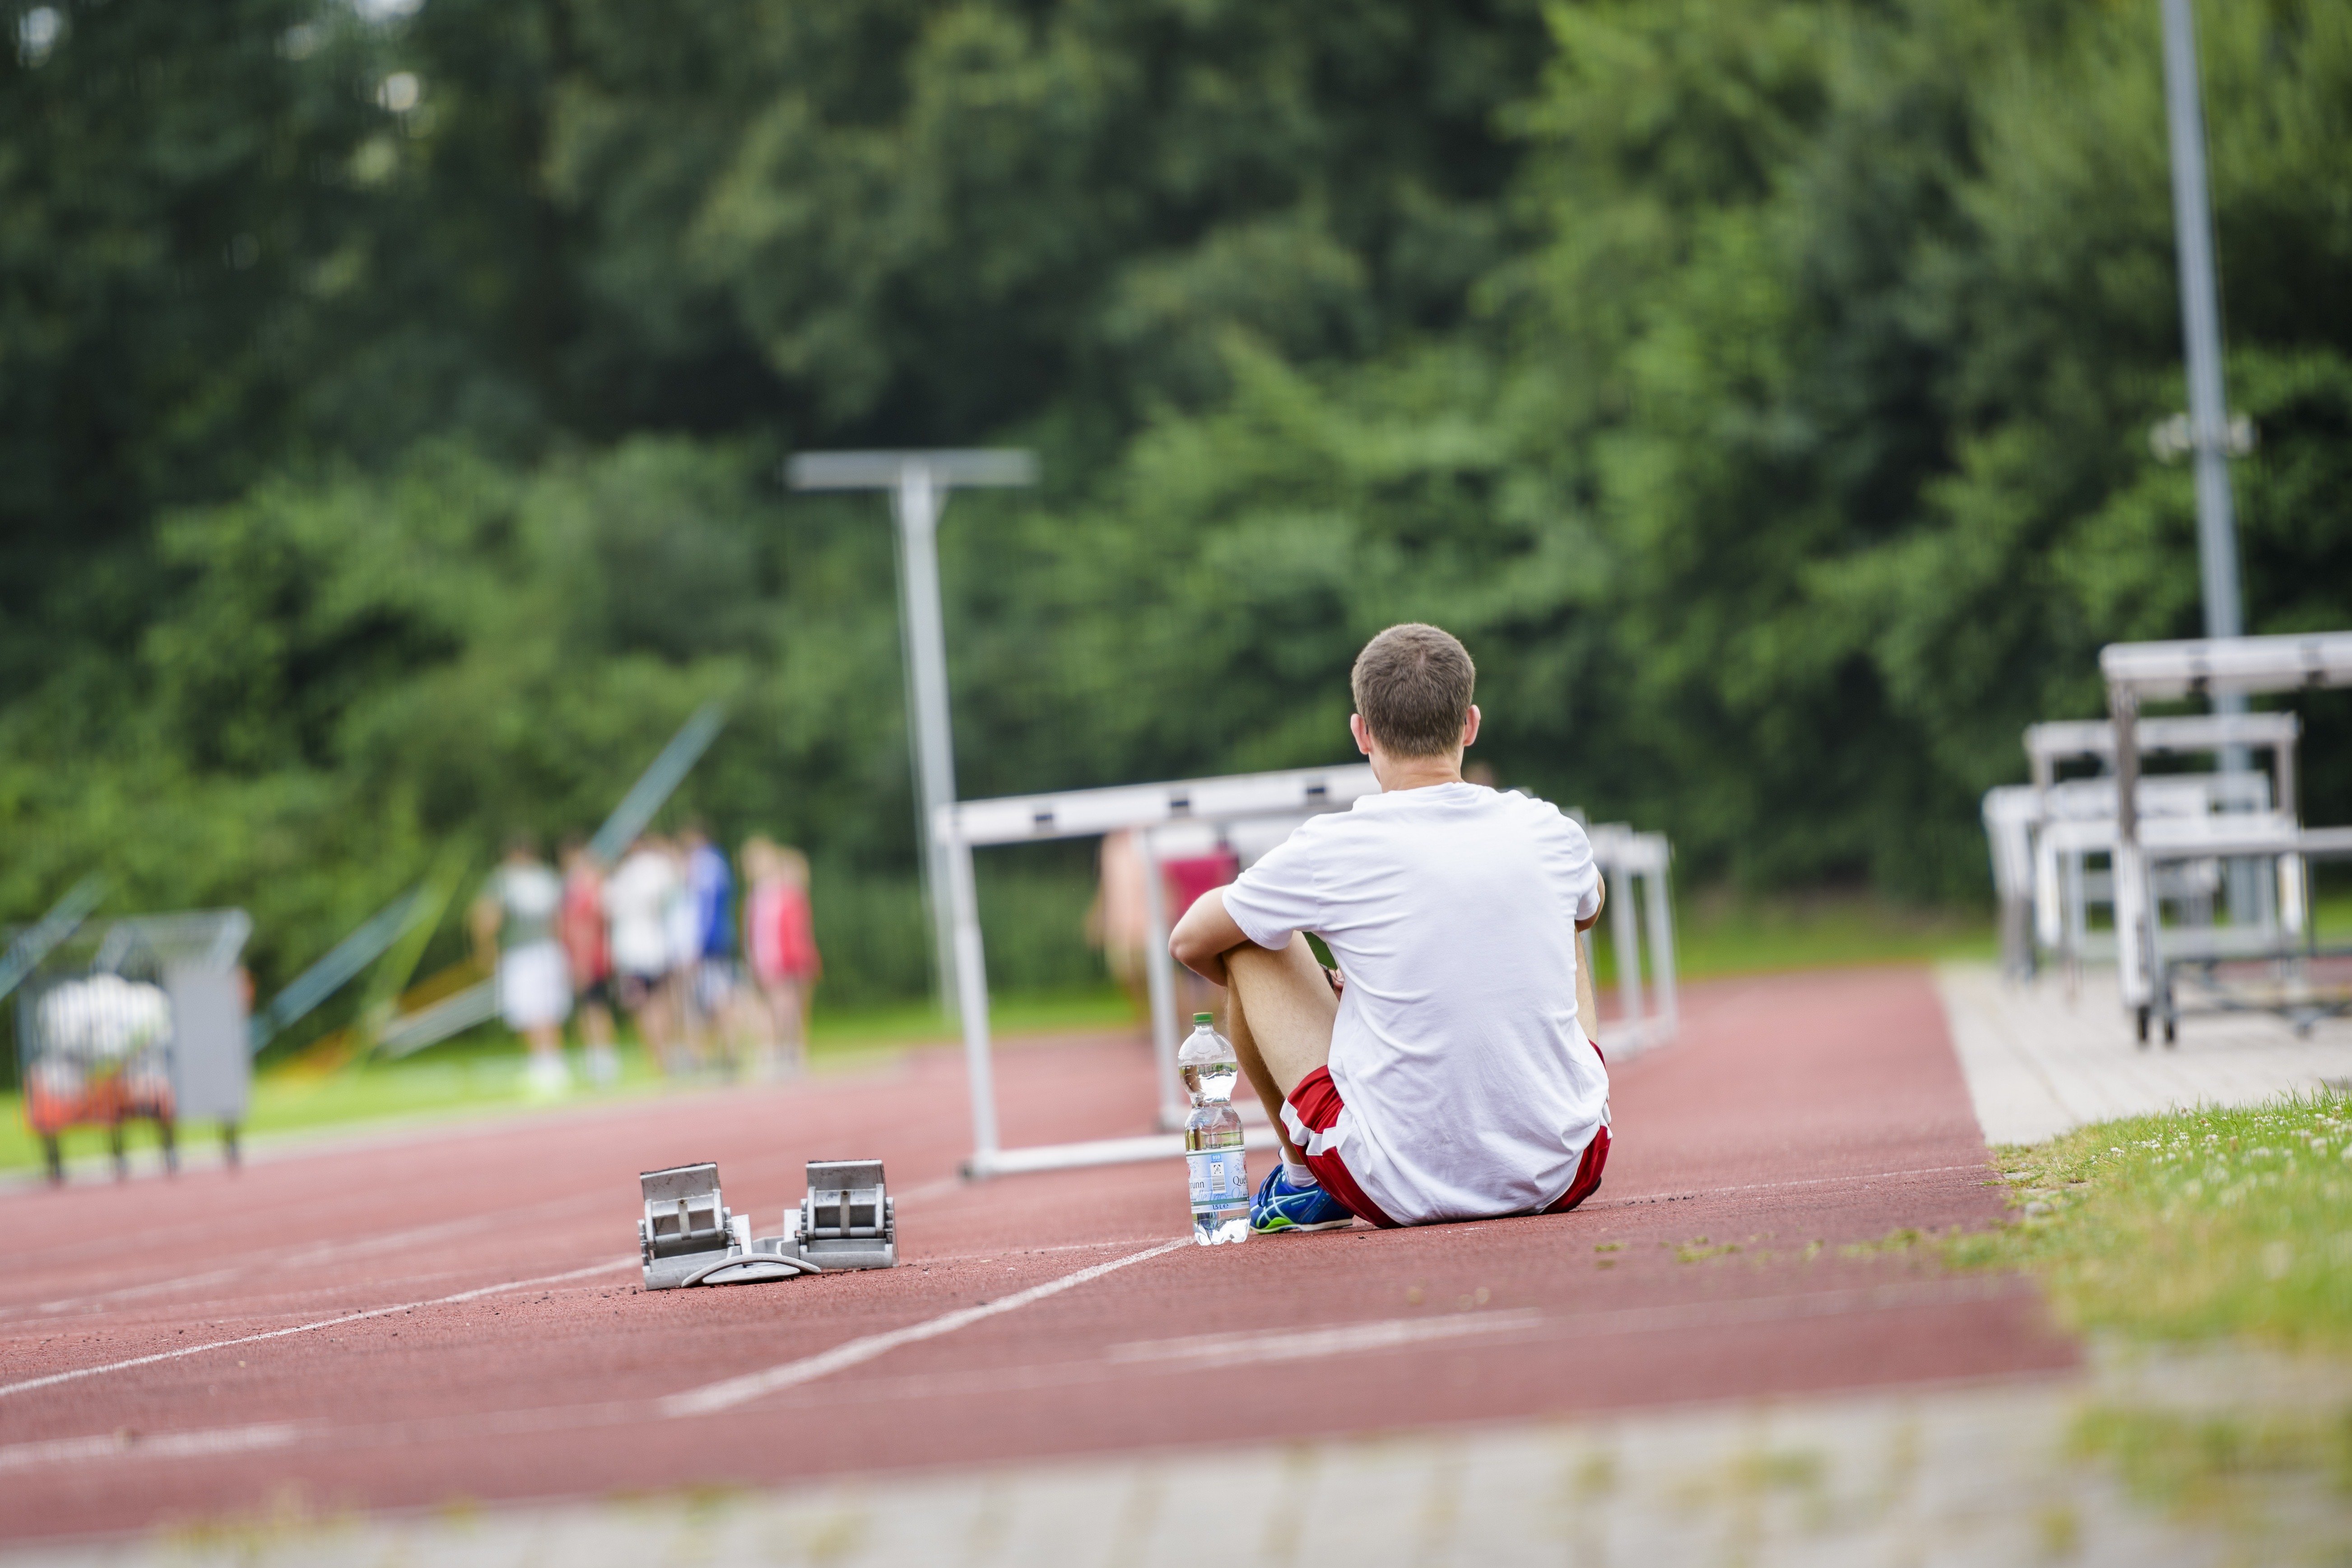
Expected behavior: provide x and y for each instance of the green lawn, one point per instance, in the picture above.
(2212, 1233)
(2200, 1224)
(1717, 932)
(481, 1073)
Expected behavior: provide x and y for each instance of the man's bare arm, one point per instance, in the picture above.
(1205, 934)
(1588, 1005)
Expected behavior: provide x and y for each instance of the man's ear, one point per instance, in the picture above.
(1364, 736)
(1470, 726)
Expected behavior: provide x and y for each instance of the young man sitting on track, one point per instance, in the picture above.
(1445, 1072)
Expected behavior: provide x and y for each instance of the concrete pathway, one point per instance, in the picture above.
(2043, 1058)
(1936, 1478)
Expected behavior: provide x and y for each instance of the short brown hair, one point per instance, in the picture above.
(1412, 685)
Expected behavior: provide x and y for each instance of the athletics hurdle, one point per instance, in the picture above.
(1260, 807)
(1249, 814)
(1637, 862)
(2042, 832)
(2207, 667)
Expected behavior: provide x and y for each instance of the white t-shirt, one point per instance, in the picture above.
(636, 900)
(1470, 1087)
(530, 894)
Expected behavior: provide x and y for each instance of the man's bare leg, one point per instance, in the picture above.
(1278, 1014)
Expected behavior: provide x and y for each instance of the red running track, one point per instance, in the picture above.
(509, 1354)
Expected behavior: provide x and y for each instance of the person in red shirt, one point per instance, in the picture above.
(580, 927)
(780, 939)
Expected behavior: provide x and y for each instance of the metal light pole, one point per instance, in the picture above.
(2210, 439)
(918, 483)
(2200, 329)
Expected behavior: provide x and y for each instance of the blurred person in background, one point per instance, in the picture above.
(1120, 920)
(681, 959)
(1120, 923)
(1185, 880)
(514, 924)
(711, 977)
(588, 949)
(637, 899)
(780, 939)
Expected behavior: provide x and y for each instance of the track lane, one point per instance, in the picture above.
(1820, 1109)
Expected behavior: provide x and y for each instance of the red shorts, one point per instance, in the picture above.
(1315, 1103)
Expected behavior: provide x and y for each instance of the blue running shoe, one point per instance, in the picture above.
(1281, 1206)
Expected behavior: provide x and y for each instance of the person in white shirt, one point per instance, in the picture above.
(514, 926)
(637, 898)
(1446, 1071)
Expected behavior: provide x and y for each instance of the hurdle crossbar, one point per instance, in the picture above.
(1249, 812)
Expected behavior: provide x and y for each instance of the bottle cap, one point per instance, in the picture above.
(1201, 1018)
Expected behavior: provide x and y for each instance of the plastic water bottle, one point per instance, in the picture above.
(1212, 1137)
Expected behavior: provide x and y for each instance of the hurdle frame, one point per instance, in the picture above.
(2203, 667)
(2038, 851)
(1222, 810)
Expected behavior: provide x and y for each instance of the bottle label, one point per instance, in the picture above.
(1219, 1178)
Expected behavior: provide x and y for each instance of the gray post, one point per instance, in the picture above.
(915, 503)
(918, 483)
(2209, 418)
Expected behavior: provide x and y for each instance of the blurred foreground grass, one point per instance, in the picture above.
(2196, 1225)
(2224, 1236)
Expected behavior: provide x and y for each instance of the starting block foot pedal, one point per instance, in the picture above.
(848, 1220)
(688, 1236)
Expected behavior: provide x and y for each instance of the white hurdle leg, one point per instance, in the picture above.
(972, 998)
(1662, 948)
(1161, 980)
(1625, 935)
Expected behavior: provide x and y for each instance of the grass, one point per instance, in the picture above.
(2193, 1226)
(2214, 1232)
(1719, 931)
(2215, 1228)
(481, 1073)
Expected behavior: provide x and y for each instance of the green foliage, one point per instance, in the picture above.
(389, 415)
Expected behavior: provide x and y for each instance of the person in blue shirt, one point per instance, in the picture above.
(711, 982)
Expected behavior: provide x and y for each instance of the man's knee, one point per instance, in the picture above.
(1287, 1005)
(1274, 973)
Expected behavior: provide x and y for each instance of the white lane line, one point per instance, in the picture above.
(310, 1258)
(731, 1392)
(57, 1377)
(1303, 1344)
(161, 1445)
(130, 1292)
(930, 1190)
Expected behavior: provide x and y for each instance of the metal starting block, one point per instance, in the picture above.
(847, 1220)
(689, 1237)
